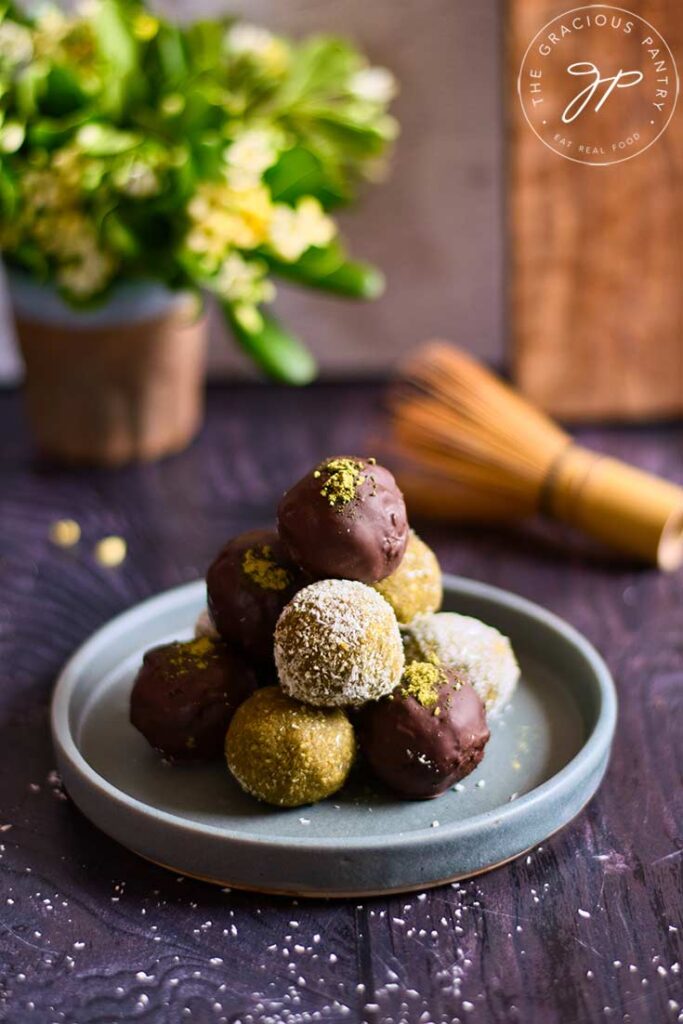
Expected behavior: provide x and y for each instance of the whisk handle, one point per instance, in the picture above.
(631, 510)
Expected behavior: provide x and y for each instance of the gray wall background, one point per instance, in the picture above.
(435, 226)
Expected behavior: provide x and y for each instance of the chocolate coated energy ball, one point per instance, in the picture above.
(287, 753)
(415, 587)
(345, 519)
(469, 648)
(185, 695)
(427, 735)
(338, 643)
(248, 585)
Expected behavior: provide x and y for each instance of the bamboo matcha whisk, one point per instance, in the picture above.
(471, 448)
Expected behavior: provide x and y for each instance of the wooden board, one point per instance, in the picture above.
(585, 929)
(596, 256)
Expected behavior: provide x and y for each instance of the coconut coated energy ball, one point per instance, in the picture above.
(469, 648)
(337, 643)
(287, 753)
(427, 735)
(415, 587)
(346, 519)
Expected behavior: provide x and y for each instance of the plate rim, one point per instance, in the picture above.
(585, 761)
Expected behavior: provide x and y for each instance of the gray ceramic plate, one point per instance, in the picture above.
(546, 757)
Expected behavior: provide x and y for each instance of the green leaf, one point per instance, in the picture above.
(329, 270)
(115, 39)
(208, 155)
(322, 64)
(119, 237)
(277, 352)
(50, 132)
(298, 172)
(60, 92)
(171, 52)
(353, 140)
(204, 40)
(30, 83)
(8, 195)
(103, 140)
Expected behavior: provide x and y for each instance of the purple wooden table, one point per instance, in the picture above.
(587, 928)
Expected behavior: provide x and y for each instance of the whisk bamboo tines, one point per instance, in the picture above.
(470, 447)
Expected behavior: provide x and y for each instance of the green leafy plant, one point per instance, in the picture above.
(206, 156)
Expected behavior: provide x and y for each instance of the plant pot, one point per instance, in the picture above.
(113, 385)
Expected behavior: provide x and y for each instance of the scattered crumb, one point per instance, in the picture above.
(111, 551)
(65, 533)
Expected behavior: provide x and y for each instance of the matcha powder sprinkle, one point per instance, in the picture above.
(421, 680)
(260, 566)
(342, 480)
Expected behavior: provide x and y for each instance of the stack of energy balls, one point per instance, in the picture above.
(324, 638)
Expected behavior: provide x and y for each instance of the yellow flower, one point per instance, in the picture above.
(88, 275)
(137, 179)
(293, 230)
(51, 30)
(68, 164)
(145, 26)
(251, 153)
(12, 136)
(374, 85)
(42, 190)
(241, 280)
(16, 45)
(225, 218)
(259, 45)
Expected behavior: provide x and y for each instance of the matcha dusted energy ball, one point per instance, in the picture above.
(469, 648)
(248, 585)
(338, 643)
(427, 735)
(345, 519)
(415, 587)
(185, 695)
(287, 753)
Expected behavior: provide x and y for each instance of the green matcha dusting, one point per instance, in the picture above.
(260, 565)
(342, 479)
(185, 658)
(414, 588)
(287, 753)
(421, 680)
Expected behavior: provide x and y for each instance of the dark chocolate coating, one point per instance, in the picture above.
(364, 539)
(417, 753)
(185, 695)
(243, 611)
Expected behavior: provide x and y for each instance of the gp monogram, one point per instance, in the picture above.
(598, 85)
